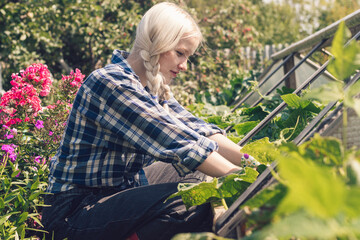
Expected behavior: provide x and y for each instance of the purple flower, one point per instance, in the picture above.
(7, 148)
(12, 157)
(39, 124)
(38, 160)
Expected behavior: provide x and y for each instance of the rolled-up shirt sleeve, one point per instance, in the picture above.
(195, 123)
(126, 110)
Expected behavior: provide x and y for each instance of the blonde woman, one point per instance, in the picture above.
(128, 143)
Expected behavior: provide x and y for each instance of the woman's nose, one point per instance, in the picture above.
(183, 65)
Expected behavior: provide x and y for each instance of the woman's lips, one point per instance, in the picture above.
(174, 73)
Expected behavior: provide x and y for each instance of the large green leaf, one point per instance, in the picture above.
(294, 101)
(268, 197)
(345, 61)
(328, 150)
(327, 93)
(233, 185)
(262, 150)
(311, 186)
(244, 128)
(228, 186)
(197, 193)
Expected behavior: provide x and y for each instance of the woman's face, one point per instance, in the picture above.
(174, 61)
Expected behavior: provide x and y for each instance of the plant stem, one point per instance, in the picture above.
(224, 203)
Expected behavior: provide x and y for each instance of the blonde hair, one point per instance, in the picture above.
(159, 31)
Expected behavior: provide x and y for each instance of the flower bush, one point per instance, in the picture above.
(33, 116)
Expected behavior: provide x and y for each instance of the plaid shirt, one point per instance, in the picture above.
(116, 127)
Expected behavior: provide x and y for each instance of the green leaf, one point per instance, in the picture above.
(312, 187)
(244, 128)
(2, 203)
(22, 218)
(327, 92)
(351, 204)
(268, 197)
(217, 120)
(340, 37)
(262, 150)
(15, 173)
(35, 185)
(229, 186)
(292, 100)
(345, 61)
(328, 150)
(34, 195)
(4, 218)
(10, 197)
(197, 193)
(233, 185)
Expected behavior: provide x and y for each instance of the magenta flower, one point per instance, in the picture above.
(39, 160)
(12, 157)
(10, 150)
(9, 136)
(50, 133)
(39, 124)
(7, 148)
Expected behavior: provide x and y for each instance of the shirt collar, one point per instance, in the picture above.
(119, 57)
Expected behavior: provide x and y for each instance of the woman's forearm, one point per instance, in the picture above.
(216, 166)
(228, 149)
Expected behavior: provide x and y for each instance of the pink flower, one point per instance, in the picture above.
(10, 150)
(7, 148)
(9, 136)
(39, 160)
(39, 124)
(51, 106)
(50, 133)
(37, 75)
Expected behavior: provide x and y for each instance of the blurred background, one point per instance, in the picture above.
(240, 36)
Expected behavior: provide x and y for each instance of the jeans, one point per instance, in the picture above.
(105, 213)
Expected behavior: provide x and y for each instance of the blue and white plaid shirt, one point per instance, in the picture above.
(116, 127)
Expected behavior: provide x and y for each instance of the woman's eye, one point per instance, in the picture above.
(179, 53)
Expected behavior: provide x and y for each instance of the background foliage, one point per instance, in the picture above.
(69, 34)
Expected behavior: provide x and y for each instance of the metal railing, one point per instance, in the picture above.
(228, 221)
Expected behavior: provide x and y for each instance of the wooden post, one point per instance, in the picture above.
(290, 82)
